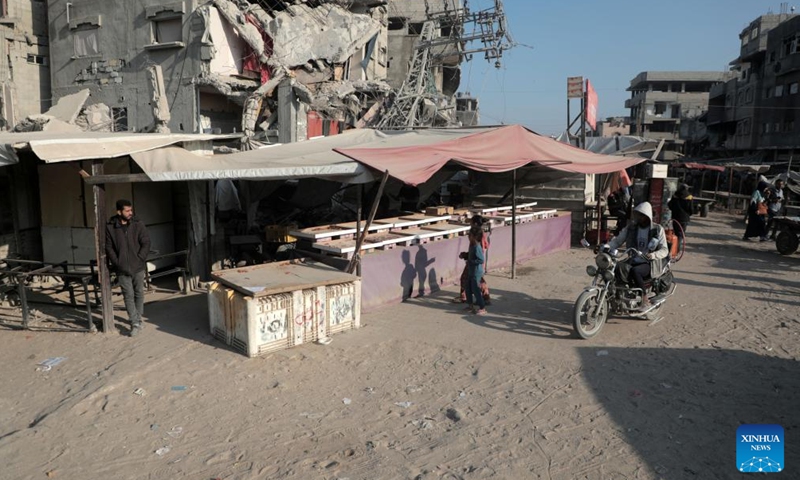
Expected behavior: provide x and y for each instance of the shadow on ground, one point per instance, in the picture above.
(680, 408)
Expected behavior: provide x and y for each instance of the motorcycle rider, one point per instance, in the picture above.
(649, 238)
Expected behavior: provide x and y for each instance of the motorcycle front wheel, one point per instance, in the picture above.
(587, 325)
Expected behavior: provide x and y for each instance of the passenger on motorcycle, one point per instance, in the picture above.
(648, 238)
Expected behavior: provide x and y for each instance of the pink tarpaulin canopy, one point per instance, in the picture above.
(493, 150)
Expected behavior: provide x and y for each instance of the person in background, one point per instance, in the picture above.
(757, 213)
(127, 247)
(775, 207)
(681, 207)
(475, 261)
(618, 206)
(476, 222)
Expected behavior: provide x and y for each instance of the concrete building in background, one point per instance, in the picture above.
(661, 102)
(613, 126)
(467, 110)
(25, 62)
(755, 113)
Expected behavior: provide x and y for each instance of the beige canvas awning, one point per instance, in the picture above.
(313, 158)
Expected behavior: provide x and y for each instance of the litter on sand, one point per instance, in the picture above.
(47, 365)
(163, 451)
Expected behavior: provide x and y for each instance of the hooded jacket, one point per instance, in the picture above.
(127, 250)
(629, 233)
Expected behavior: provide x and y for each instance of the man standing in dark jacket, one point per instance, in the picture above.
(681, 207)
(127, 247)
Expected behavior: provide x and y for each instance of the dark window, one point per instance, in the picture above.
(415, 28)
(37, 59)
(6, 214)
(397, 23)
(86, 42)
(168, 31)
(772, 56)
(120, 119)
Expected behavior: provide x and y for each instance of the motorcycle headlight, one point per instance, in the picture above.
(591, 270)
(608, 275)
(603, 261)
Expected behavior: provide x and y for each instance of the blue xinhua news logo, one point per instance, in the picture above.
(759, 449)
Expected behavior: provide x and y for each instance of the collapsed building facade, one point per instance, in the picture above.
(275, 71)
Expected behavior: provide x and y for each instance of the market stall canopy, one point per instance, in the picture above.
(748, 168)
(702, 166)
(414, 157)
(53, 147)
(309, 159)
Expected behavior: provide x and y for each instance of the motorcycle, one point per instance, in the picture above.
(611, 295)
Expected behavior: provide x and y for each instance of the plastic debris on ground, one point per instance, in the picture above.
(47, 365)
(163, 451)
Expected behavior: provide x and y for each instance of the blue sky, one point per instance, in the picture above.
(607, 41)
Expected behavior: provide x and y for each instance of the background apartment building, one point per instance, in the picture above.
(25, 62)
(662, 104)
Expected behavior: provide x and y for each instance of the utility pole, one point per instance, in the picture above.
(478, 32)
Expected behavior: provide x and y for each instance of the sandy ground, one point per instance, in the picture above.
(507, 396)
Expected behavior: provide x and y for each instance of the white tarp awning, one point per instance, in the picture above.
(309, 159)
(74, 148)
(53, 147)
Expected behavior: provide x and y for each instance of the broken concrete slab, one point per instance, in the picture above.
(337, 34)
(247, 31)
(158, 99)
(96, 118)
(55, 125)
(69, 107)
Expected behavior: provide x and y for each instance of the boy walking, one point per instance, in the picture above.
(475, 261)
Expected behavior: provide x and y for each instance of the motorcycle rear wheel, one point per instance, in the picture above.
(584, 324)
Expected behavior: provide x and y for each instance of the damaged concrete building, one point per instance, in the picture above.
(25, 63)
(281, 71)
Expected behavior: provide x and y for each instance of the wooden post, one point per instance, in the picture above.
(359, 201)
(702, 182)
(730, 191)
(514, 225)
(360, 240)
(100, 219)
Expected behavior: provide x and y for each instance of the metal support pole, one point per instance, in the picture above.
(104, 276)
(514, 225)
(359, 201)
(569, 125)
(730, 192)
(86, 298)
(583, 121)
(23, 300)
(360, 239)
